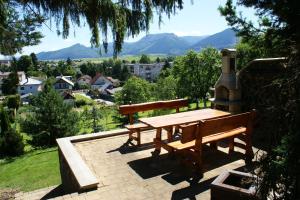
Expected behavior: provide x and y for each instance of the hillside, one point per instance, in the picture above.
(163, 43)
(224, 39)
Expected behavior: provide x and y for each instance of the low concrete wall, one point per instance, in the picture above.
(75, 174)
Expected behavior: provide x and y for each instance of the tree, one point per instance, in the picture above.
(278, 31)
(91, 118)
(145, 59)
(11, 142)
(10, 85)
(135, 90)
(166, 88)
(166, 70)
(196, 73)
(157, 60)
(18, 30)
(13, 102)
(278, 34)
(35, 61)
(124, 18)
(50, 118)
(25, 64)
(116, 69)
(69, 62)
(125, 74)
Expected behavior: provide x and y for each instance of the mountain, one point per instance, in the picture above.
(163, 43)
(224, 39)
(73, 52)
(193, 39)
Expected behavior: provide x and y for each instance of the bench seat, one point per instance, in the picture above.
(178, 145)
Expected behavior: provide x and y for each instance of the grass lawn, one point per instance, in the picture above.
(34, 170)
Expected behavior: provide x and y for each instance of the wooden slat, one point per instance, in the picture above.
(134, 108)
(136, 126)
(223, 135)
(212, 126)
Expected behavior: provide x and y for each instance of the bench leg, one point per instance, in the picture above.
(138, 134)
(198, 166)
(231, 145)
(249, 150)
(213, 145)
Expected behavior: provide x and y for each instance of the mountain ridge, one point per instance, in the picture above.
(162, 43)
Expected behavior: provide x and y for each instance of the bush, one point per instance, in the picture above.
(13, 101)
(80, 102)
(11, 143)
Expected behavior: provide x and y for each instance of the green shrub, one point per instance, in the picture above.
(13, 101)
(80, 102)
(11, 143)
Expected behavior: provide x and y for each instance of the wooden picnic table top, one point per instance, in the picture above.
(183, 117)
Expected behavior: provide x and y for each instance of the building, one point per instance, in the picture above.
(4, 75)
(68, 97)
(63, 83)
(66, 77)
(29, 86)
(102, 83)
(5, 62)
(114, 82)
(84, 80)
(146, 71)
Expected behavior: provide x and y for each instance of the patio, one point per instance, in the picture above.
(127, 172)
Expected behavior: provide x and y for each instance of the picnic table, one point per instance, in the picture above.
(168, 121)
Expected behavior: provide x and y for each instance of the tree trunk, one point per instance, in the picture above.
(204, 102)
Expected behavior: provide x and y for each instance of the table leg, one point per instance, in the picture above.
(157, 142)
(170, 133)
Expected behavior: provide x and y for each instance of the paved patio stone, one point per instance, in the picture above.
(127, 172)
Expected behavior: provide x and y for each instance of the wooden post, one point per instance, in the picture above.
(130, 116)
(231, 145)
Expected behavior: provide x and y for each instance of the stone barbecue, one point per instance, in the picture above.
(227, 90)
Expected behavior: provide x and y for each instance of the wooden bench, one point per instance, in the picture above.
(212, 130)
(130, 110)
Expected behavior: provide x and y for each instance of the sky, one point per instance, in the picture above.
(198, 17)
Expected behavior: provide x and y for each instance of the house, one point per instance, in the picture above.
(146, 71)
(84, 80)
(4, 75)
(66, 77)
(29, 85)
(5, 62)
(102, 83)
(68, 97)
(115, 82)
(63, 83)
(113, 91)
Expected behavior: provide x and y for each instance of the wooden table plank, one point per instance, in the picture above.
(182, 118)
